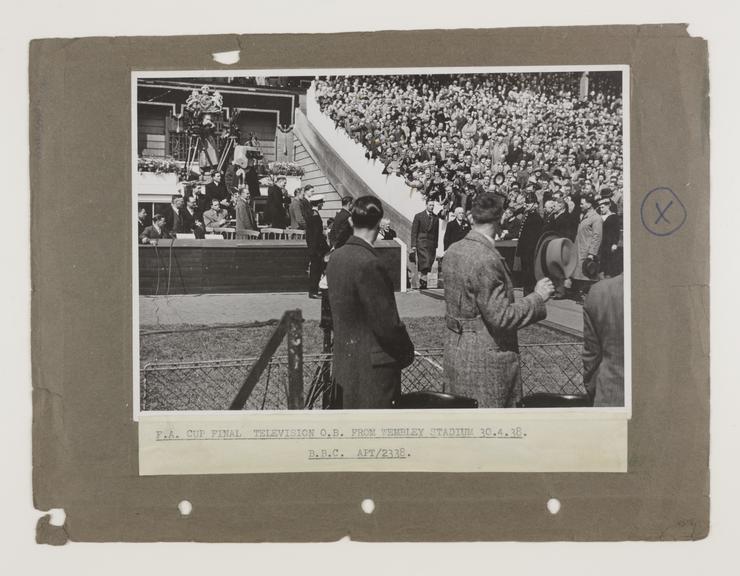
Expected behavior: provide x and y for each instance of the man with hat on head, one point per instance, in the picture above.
(610, 253)
(318, 247)
(481, 358)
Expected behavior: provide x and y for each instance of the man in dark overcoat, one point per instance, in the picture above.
(317, 245)
(371, 345)
(424, 238)
(603, 342)
(174, 222)
(456, 229)
(274, 210)
(530, 232)
(481, 358)
(341, 229)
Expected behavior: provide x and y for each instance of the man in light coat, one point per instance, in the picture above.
(588, 244)
(481, 358)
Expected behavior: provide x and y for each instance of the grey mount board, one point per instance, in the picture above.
(84, 439)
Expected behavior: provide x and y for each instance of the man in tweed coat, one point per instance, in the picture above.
(603, 342)
(371, 344)
(481, 358)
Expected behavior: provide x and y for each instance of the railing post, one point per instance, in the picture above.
(295, 359)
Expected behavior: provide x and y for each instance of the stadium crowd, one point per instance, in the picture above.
(548, 145)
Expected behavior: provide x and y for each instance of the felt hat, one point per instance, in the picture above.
(555, 257)
(590, 268)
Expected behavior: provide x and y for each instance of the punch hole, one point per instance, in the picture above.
(230, 57)
(368, 506)
(185, 508)
(553, 506)
(57, 516)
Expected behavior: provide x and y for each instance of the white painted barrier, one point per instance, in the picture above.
(389, 188)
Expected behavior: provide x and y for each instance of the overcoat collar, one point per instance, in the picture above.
(355, 241)
(474, 236)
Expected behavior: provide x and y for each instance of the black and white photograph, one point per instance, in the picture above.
(381, 240)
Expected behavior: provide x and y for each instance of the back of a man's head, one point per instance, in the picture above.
(367, 212)
(347, 202)
(486, 209)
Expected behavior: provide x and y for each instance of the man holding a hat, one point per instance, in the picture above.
(588, 243)
(481, 358)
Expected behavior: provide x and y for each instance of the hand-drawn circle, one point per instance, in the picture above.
(662, 213)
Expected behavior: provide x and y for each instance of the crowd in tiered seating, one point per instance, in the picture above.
(540, 141)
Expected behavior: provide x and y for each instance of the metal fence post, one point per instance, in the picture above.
(295, 359)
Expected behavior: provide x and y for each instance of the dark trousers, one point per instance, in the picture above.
(314, 274)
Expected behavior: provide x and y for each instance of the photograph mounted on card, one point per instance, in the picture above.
(452, 267)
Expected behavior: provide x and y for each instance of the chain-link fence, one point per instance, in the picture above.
(212, 385)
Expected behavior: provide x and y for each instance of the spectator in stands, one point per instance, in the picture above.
(603, 342)
(297, 219)
(275, 209)
(456, 229)
(341, 229)
(245, 219)
(152, 233)
(424, 238)
(386, 232)
(216, 217)
(173, 216)
(318, 247)
(520, 127)
(561, 220)
(481, 350)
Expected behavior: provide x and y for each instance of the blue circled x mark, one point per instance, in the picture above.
(662, 213)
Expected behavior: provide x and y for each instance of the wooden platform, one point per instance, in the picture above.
(236, 266)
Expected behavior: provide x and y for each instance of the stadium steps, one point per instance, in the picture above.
(313, 175)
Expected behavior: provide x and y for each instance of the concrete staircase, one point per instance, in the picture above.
(313, 175)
